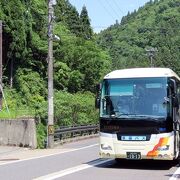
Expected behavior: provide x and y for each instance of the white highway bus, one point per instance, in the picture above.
(139, 114)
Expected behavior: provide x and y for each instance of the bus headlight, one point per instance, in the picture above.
(163, 148)
(106, 147)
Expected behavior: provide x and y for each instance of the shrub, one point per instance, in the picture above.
(41, 135)
(75, 109)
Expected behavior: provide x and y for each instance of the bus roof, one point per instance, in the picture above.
(141, 72)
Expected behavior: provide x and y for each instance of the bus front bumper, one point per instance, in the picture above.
(160, 147)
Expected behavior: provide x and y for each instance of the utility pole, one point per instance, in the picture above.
(0, 64)
(151, 54)
(50, 139)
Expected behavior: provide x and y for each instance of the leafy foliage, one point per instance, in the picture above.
(78, 62)
(41, 135)
(85, 22)
(154, 25)
(31, 87)
(26, 41)
(77, 109)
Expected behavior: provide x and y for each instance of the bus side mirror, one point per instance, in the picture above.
(174, 92)
(98, 92)
(98, 88)
(173, 86)
(97, 102)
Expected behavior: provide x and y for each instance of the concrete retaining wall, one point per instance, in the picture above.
(18, 132)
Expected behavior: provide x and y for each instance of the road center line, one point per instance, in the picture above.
(72, 170)
(52, 154)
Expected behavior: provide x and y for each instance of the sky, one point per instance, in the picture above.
(104, 13)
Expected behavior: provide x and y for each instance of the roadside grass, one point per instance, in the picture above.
(14, 114)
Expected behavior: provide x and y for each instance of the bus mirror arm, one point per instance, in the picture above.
(174, 93)
(97, 102)
(98, 92)
(98, 88)
(97, 99)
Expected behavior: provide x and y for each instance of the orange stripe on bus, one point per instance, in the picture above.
(162, 142)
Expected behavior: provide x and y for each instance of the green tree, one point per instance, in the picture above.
(31, 87)
(61, 75)
(156, 24)
(75, 81)
(67, 13)
(87, 31)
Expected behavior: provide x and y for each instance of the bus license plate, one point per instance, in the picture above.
(133, 155)
(133, 138)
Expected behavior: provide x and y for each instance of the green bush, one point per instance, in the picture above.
(75, 109)
(13, 106)
(69, 110)
(31, 87)
(41, 135)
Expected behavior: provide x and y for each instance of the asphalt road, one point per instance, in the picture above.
(80, 161)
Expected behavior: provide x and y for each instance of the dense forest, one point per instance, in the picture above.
(81, 57)
(76, 55)
(79, 63)
(155, 25)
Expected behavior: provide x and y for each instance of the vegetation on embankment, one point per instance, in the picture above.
(156, 24)
(81, 57)
(79, 63)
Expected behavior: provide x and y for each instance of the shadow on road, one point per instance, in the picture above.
(142, 164)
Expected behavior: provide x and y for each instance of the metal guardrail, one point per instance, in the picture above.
(71, 132)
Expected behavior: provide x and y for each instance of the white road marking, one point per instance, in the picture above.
(72, 170)
(53, 154)
(176, 175)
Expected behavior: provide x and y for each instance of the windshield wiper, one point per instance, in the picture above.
(126, 114)
(136, 116)
(148, 117)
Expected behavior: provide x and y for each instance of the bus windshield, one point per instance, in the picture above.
(135, 97)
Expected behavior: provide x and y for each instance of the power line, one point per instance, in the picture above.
(117, 5)
(114, 10)
(106, 9)
(118, 29)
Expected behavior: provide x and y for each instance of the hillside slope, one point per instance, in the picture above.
(157, 24)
